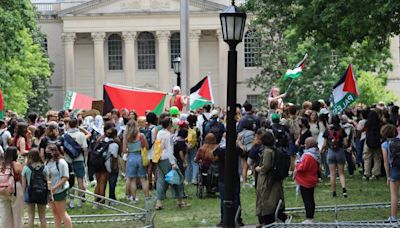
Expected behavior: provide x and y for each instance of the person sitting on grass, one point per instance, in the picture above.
(306, 175)
(390, 148)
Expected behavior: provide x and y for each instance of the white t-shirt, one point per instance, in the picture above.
(57, 170)
(200, 121)
(111, 152)
(5, 136)
(360, 126)
(79, 137)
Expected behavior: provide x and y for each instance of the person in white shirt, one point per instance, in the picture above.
(205, 116)
(5, 135)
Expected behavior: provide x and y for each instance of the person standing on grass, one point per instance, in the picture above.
(269, 191)
(11, 206)
(33, 170)
(335, 139)
(304, 134)
(306, 176)
(391, 151)
(58, 175)
(372, 153)
(133, 143)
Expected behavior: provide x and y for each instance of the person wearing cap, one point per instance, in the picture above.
(177, 99)
(215, 126)
(5, 135)
(203, 119)
(174, 113)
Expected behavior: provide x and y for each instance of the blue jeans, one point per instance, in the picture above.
(193, 168)
(325, 164)
(221, 189)
(112, 182)
(162, 169)
(350, 164)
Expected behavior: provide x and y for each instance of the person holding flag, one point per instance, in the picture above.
(177, 99)
(274, 95)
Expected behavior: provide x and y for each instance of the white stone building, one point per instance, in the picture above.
(132, 43)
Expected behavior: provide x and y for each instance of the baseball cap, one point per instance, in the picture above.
(214, 114)
(323, 111)
(275, 116)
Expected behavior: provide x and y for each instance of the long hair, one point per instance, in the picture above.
(22, 129)
(53, 148)
(10, 155)
(210, 144)
(131, 131)
(34, 157)
(50, 129)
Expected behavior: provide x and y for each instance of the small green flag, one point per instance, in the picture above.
(160, 107)
(295, 73)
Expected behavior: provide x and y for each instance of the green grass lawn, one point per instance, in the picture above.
(205, 212)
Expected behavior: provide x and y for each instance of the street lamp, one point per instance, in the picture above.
(232, 23)
(176, 63)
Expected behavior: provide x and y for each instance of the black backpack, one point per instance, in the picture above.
(394, 152)
(72, 147)
(37, 190)
(373, 139)
(99, 155)
(281, 136)
(281, 165)
(205, 122)
(147, 133)
(216, 129)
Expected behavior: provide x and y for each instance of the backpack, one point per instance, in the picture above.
(205, 122)
(394, 153)
(193, 138)
(72, 147)
(37, 190)
(7, 182)
(281, 165)
(147, 133)
(99, 155)
(373, 139)
(334, 138)
(281, 136)
(217, 131)
(1, 139)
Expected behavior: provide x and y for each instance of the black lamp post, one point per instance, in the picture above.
(233, 23)
(176, 63)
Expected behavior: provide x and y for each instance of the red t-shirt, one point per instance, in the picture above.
(178, 102)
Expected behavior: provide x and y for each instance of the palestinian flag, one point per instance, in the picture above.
(120, 97)
(201, 94)
(77, 101)
(344, 92)
(298, 69)
(1, 105)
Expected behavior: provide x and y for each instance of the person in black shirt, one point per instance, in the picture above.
(180, 149)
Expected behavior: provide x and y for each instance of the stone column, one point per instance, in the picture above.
(222, 69)
(129, 58)
(164, 64)
(194, 57)
(99, 75)
(393, 82)
(69, 61)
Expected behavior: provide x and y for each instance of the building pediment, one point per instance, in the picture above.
(109, 7)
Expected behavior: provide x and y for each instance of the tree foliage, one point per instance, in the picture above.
(21, 57)
(333, 33)
(372, 90)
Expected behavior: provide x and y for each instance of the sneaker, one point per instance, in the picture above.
(71, 204)
(308, 221)
(79, 203)
(93, 183)
(391, 220)
(96, 207)
(288, 219)
(334, 194)
(132, 199)
(373, 177)
(366, 178)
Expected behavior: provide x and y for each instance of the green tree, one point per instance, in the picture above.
(21, 56)
(329, 54)
(372, 89)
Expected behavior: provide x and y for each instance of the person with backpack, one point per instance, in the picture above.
(5, 135)
(372, 153)
(180, 151)
(281, 134)
(151, 135)
(293, 124)
(335, 140)
(256, 152)
(215, 126)
(193, 145)
(202, 120)
(96, 130)
(11, 194)
(391, 161)
(269, 190)
(105, 151)
(248, 116)
(306, 176)
(75, 148)
(350, 130)
(133, 143)
(35, 188)
(244, 143)
(58, 175)
(52, 136)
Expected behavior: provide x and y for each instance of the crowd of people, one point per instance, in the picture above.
(41, 157)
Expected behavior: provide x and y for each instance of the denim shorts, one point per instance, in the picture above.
(292, 148)
(134, 165)
(394, 174)
(79, 168)
(336, 156)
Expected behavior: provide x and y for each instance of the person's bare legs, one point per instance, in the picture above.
(62, 213)
(394, 189)
(145, 186)
(42, 215)
(31, 215)
(341, 175)
(57, 218)
(332, 170)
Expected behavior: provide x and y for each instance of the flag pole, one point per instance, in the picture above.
(290, 84)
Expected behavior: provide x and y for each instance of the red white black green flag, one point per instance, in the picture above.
(201, 94)
(344, 92)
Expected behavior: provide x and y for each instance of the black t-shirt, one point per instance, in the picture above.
(180, 145)
(304, 136)
(340, 131)
(58, 141)
(220, 153)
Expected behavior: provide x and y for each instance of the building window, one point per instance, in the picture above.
(255, 100)
(146, 51)
(251, 48)
(114, 52)
(175, 46)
